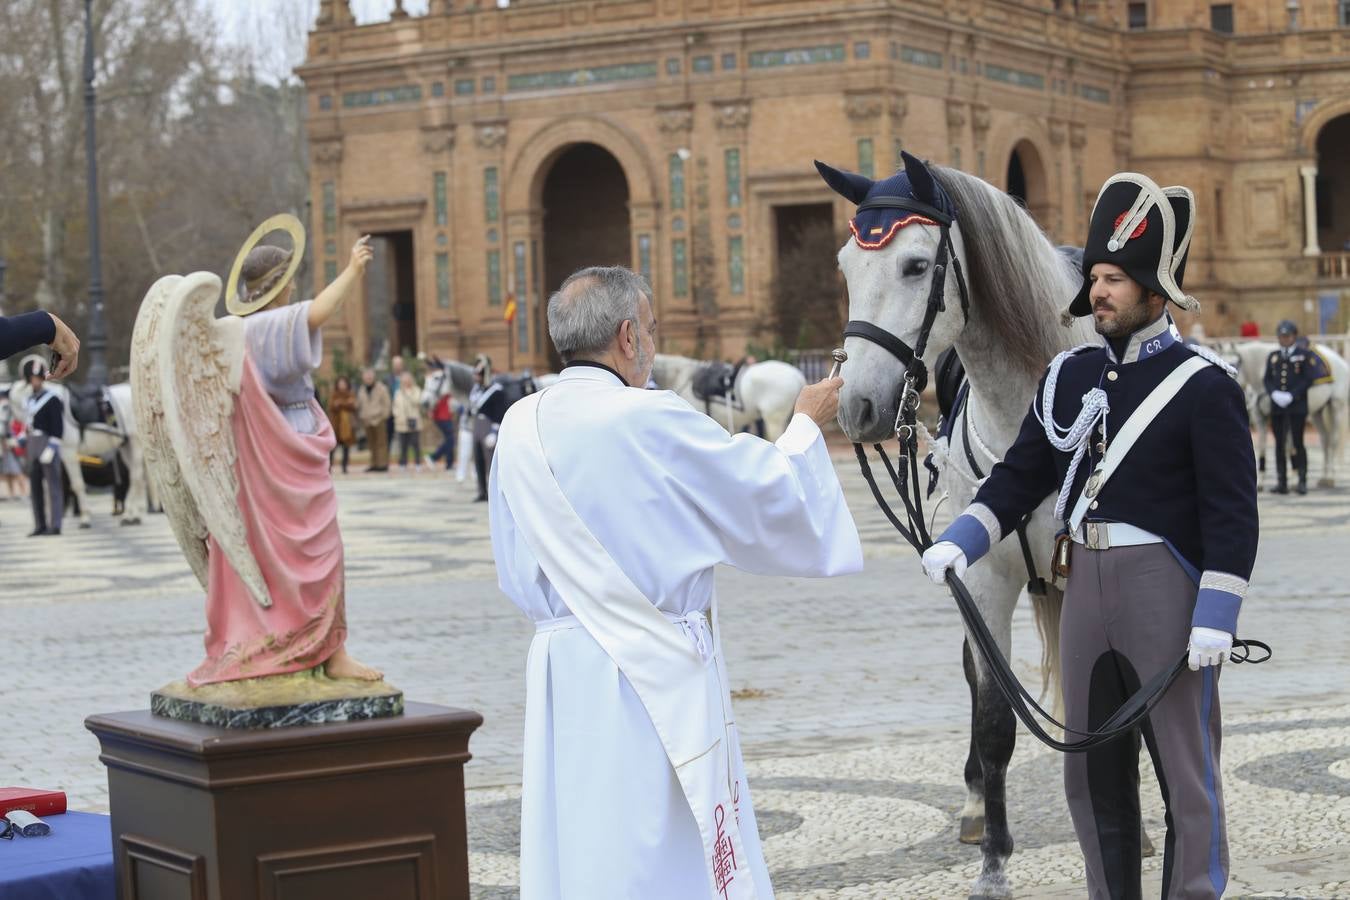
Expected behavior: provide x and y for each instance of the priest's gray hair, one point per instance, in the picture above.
(585, 313)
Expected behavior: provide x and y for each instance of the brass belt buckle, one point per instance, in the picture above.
(1097, 536)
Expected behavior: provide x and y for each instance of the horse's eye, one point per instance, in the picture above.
(915, 267)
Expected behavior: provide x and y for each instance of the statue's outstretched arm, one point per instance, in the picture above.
(331, 298)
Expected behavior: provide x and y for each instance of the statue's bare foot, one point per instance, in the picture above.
(342, 665)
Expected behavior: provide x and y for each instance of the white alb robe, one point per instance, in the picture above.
(668, 495)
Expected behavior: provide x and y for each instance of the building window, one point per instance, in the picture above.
(1138, 16)
(677, 224)
(463, 86)
(1221, 17)
(494, 277)
(489, 84)
(680, 261)
(1218, 213)
(439, 191)
(330, 248)
(443, 280)
(438, 89)
(521, 293)
(703, 64)
(733, 164)
(491, 194)
(672, 66)
(736, 263)
(329, 207)
(645, 256)
(956, 157)
(325, 101)
(866, 160)
(330, 271)
(1345, 13)
(676, 181)
(862, 50)
(729, 59)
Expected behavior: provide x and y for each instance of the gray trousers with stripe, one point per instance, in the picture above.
(1127, 614)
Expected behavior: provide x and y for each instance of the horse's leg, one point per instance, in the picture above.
(70, 459)
(134, 506)
(995, 736)
(972, 814)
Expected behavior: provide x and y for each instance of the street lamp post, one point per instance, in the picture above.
(97, 341)
(4, 366)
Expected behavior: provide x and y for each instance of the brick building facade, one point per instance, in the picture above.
(493, 150)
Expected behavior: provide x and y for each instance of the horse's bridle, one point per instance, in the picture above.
(916, 373)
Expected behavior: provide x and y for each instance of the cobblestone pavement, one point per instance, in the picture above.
(849, 693)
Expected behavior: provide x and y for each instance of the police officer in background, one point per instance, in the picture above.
(1287, 379)
(46, 417)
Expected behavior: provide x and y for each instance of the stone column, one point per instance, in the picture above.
(1309, 174)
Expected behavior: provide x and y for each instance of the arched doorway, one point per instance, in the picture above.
(586, 218)
(1026, 180)
(1333, 186)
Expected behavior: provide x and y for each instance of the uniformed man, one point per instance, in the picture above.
(1287, 379)
(47, 424)
(1146, 440)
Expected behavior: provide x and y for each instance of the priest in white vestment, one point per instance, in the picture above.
(610, 506)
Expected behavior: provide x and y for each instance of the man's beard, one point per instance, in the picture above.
(1126, 322)
(644, 366)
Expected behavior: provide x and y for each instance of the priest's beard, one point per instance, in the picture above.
(644, 367)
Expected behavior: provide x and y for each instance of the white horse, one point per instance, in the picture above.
(1018, 283)
(1328, 403)
(766, 390)
(99, 441)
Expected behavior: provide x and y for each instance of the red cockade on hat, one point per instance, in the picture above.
(1139, 229)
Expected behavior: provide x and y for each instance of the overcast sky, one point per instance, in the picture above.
(281, 24)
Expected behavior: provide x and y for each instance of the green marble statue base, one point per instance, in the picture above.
(278, 701)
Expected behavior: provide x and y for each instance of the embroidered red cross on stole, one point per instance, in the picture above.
(724, 854)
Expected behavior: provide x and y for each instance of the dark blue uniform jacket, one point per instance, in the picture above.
(1190, 478)
(24, 331)
(1295, 373)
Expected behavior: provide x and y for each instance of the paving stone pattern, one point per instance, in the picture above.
(849, 693)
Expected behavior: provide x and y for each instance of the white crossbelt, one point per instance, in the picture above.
(1105, 535)
(695, 626)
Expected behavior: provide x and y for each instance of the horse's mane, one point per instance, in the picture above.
(1017, 279)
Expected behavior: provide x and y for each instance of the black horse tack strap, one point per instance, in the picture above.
(1131, 714)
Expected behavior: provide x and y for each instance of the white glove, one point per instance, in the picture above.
(1282, 398)
(1209, 647)
(942, 556)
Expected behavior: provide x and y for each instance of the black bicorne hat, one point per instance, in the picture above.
(1144, 229)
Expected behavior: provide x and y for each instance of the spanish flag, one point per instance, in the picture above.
(509, 314)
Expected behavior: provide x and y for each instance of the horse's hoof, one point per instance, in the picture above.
(132, 520)
(1146, 846)
(972, 829)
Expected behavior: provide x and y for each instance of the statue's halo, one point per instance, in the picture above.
(280, 222)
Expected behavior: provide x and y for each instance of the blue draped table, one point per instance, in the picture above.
(74, 862)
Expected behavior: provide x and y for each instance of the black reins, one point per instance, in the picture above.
(904, 476)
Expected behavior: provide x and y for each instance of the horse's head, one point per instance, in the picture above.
(890, 263)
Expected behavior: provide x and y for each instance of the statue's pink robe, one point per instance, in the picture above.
(289, 508)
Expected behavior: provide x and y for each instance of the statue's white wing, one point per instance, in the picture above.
(161, 464)
(186, 368)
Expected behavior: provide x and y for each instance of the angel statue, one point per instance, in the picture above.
(238, 449)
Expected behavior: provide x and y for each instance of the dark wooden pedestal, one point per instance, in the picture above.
(355, 809)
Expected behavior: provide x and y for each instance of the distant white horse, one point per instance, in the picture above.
(766, 390)
(1328, 403)
(95, 440)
